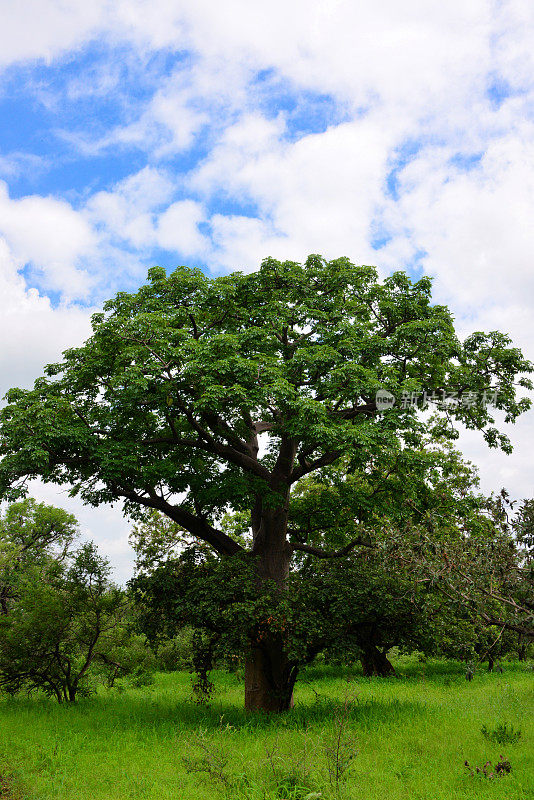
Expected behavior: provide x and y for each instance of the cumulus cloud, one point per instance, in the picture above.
(317, 194)
(138, 213)
(32, 332)
(40, 29)
(126, 211)
(178, 228)
(476, 226)
(51, 236)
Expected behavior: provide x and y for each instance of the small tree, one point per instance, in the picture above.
(66, 622)
(164, 406)
(484, 572)
(523, 527)
(30, 534)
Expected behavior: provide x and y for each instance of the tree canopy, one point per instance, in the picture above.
(165, 405)
(168, 396)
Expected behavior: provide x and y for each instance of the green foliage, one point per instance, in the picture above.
(31, 533)
(425, 540)
(65, 624)
(32, 528)
(163, 397)
(176, 652)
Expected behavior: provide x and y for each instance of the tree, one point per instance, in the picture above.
(165, 404)
(400, 589)
(523, 528)
(484, 570)
(66, 624)
(31, 533)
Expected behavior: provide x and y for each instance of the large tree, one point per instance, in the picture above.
(164, 406)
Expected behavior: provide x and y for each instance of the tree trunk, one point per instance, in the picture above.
(269, 678)
(269, 675)
(376, 663)
(491, 663)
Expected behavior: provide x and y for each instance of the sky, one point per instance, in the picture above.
(142, 132)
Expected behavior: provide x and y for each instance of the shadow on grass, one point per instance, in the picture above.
(162, 715)
(167, 710)
(220, 714)
(8, 787)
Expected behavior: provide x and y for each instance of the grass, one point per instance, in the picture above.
(400, 739)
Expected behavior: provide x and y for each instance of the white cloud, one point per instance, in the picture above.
(178, 229)
(44, 29)
(171, 120)
(514, 56)
(104, 525)
(137, 211)
(17, 163)
(419, 61)
(127, 211)
(476, 226)
(498, 470)
(402, 51)
(31, 331)
(34, 334)
(241, 242)
(51, 236)
(317, 194)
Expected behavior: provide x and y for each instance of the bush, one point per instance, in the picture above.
(176, 653)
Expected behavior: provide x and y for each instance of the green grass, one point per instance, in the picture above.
(412, 736)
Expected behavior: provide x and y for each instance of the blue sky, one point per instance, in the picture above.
(213, 135)
(68, 131)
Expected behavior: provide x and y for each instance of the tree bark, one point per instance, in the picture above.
(269, 675)
(269, 678)
(375, 662)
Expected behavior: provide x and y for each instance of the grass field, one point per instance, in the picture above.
(347, 737)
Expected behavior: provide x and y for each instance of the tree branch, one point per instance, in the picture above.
(195, 525)
(363, 541)
(308, 466)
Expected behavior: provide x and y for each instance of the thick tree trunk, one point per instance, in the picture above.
(269, 675)
(376, 663)
(269, 678)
